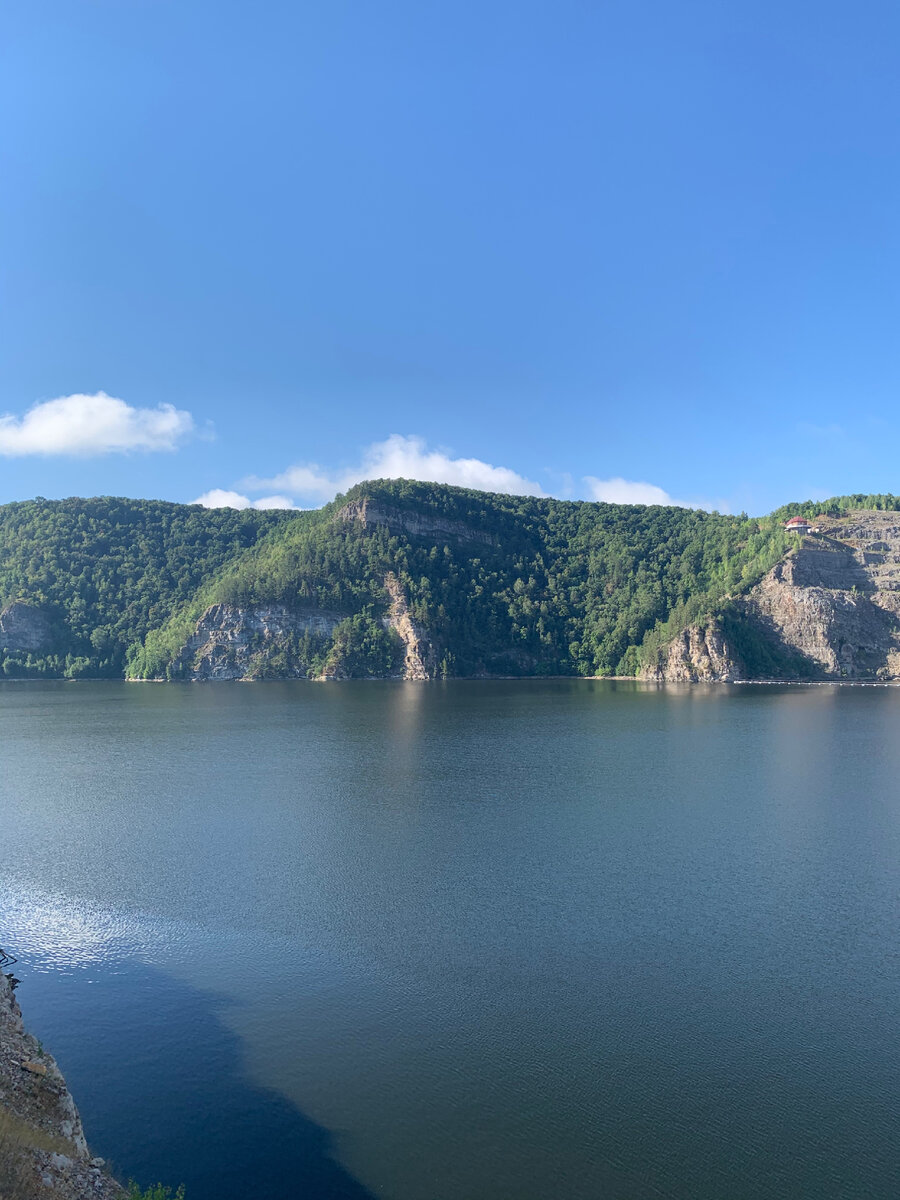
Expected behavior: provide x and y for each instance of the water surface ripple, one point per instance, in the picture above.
(464, 941)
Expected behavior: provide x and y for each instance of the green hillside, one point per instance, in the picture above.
(106, 571)
(519, 586)
(502, 584)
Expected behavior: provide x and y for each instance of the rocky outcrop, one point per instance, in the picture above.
(843, 632)
(24, 627)
(415, 524)
(230, 642)
(43, 1152)
(420, 659)
(700, 654)
(271, 641)
(829, 610)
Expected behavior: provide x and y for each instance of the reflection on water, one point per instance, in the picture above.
(61, 933)
(564, 938)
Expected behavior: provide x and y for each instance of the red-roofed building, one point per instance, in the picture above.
(797, 525)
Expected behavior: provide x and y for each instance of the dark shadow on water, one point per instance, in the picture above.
(163, 1094)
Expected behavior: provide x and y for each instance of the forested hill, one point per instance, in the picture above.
(497, 584)
(101, 573)
(394, 578)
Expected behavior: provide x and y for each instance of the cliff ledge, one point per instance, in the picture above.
(43, 1152)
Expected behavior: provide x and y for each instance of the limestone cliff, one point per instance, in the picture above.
(43, 1152)
(420, 659)
(829, 610)
(231, 642)
(700, 654)
(241, 643)
(415, 524)
(25, 628)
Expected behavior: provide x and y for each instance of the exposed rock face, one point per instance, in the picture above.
(23, 627)
(231, 643)
(420, 660)
(43, 1151)
(415, 524)
(234, 643)
(833, 605)
(829, 610)
(697, 655)
(845, 633)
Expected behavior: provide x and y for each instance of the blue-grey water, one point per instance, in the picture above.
(464, 941)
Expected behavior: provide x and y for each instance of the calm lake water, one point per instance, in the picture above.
(466, 941)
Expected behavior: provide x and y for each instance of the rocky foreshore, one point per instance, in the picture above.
(43, 1152)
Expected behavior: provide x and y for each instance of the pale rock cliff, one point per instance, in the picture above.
(43, 1151)
(697, 655)
(832, 606)
(844, 631)
(24, 627)
(233, 643)
(415, 524)
(420, 660)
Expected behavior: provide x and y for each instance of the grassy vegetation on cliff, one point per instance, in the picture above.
(19, 1140)
(762, 549)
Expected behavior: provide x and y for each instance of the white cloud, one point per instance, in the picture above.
(408, 457)
(625, 491)
(220, 498)
(86, 425)
(274, 502)
(308, 480)
(399, 457)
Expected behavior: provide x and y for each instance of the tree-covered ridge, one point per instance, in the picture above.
(106, 571)
(519, 585)
(839, 506)
(502, 584)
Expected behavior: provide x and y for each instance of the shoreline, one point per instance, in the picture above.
(885, 683)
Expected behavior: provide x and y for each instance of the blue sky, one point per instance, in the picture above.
(572, 247)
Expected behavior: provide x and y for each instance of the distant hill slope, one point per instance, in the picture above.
(97, 575)
(407, 579)
(423, 580)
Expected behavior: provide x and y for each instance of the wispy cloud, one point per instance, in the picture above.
(409, 457)
(398, 457)
(82, 425)
(626, 491)
(221, 498)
